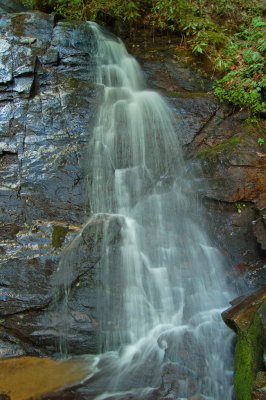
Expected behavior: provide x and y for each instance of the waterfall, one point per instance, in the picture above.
(164, 288)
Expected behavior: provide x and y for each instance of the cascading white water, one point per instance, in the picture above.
(164, 285)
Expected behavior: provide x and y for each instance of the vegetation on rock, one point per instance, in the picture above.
(58, 235)
(248, 359)
(229, 34)
(245, 58)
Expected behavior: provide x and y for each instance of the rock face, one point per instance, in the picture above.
(7, 6)
(225, 154)
(73, 328)
(47, 107)
(46, 111)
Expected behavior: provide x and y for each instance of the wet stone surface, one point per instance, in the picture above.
(247, 318)
(224, 154)
(46, 114)
(47, 109)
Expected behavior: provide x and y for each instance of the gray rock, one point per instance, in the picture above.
(47, 108)
(192, 112)
(45, 116)
(70, 320)
(7, 6)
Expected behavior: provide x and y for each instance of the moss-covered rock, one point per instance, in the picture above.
(248, 359)
(247, 318)
(58, 235)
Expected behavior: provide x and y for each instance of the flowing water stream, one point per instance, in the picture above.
(164, 286)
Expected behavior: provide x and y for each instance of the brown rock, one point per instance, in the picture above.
(258, 395)
(241, 314)
(31, 377)
(261, 203)
(260, 233)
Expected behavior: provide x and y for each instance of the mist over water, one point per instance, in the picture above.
(164, 283)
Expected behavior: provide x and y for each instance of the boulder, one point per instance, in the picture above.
(247, 318)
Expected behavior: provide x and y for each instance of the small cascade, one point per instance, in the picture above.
(163, 282)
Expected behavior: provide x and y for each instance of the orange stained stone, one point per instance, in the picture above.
(25, 378)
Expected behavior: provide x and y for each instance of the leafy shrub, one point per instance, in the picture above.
(245, 83)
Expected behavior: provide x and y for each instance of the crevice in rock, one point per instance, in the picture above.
(28, 310)
(246, 166)
(28, 345)
(200, 136)
(78, 278)
(77, 179)
(4, 285)
(24, 75)
(209, 199)
(205, 125)
(35, 87)
(9, 338)
(4, 153)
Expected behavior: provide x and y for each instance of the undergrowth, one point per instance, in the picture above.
(230, 34)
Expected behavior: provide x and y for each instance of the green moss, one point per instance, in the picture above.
(229, 143)
(248, 359)
(222, 148)
(58, 235)
(188, 94)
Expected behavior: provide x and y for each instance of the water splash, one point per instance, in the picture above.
(164, 285)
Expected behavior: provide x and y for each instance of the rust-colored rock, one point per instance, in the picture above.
(241, 314)
(261, 203)
(25, 378)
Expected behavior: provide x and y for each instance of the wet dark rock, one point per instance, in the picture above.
(9, 349)
(228, 152)
(224, 151)
(260, 233)
(231, 159)
(260, 222)
(7, 6)
(28, 255)
(233, 233)
(192, 113)
(186, 90)
(47, 107)
(46, 112)
(23, 301)
(166, 66)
